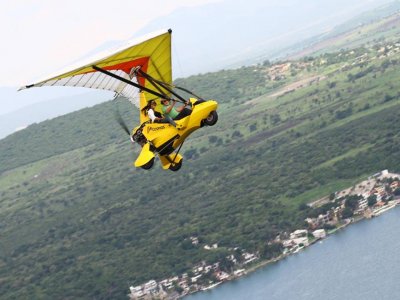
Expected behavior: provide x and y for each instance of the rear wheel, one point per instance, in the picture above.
(148, 165)
(176, 166)
(211, 119)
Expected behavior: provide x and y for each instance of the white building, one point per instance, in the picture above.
(288, 243)
(150, 285)
(362, 205)
(299, 233)
(301, 240)
(195, 240)
(249, 257)
(214, 246)
(222, 276)
(195, 278)
(323, 219)
(232, 258)
(136, 292)
(239, 272)
(319, 233)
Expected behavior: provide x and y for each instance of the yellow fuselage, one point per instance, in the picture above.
(164, 138)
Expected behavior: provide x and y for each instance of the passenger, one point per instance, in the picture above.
(175, 113)
(155, 116)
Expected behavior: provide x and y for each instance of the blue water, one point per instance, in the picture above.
(361, 261)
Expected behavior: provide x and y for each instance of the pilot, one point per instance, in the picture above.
(175, 113)
(155, 117)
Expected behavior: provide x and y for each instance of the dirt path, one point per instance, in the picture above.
(296, 85)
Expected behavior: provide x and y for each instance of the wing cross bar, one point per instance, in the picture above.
(140, 87)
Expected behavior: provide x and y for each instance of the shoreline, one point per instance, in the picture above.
(265, 263)
(376, 213)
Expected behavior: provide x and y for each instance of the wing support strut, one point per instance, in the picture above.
(167, 86)
(140, 87)
(157, 83)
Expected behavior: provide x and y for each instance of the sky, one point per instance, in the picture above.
(40, 37)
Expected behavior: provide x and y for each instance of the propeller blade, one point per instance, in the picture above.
(121, 122)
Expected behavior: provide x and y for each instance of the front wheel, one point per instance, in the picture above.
(176, 166)
(211, 119)
(148, 165)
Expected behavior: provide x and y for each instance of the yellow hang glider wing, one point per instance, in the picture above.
(152, 54)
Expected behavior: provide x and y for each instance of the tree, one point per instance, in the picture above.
(212, 139)
(303, 206)
(387, 98)
(269, 251)
(341, 114)
(347, 213)
(236, 134)
(238, 255)
(187, 244)
(331, 85)
(226, 264)
(253, 127)
(266, 63)
(276, 118)
(177, 288)
(329, 226)
(191, 154)
(352, 202)
(371, 200)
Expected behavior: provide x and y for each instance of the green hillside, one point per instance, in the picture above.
(78, 221)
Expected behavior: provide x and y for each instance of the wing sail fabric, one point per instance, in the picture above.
(151, 53)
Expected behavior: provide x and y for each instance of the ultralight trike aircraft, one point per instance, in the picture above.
(140, 70)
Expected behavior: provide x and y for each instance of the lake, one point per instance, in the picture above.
(361, 261)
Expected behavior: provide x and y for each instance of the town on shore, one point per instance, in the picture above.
(367, 199)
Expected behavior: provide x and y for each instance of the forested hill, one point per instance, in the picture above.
(78, 221)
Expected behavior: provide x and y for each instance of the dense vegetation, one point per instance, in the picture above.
(78, 221)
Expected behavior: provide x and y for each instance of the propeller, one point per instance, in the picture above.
(122, 123)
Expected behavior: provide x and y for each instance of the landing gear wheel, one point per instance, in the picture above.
(149, 165)
(211, 119)
(176, 166)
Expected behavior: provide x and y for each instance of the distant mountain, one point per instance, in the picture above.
(12, 99)
(229, 33)
(43, 110)
(380, 24)
(366, 18)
